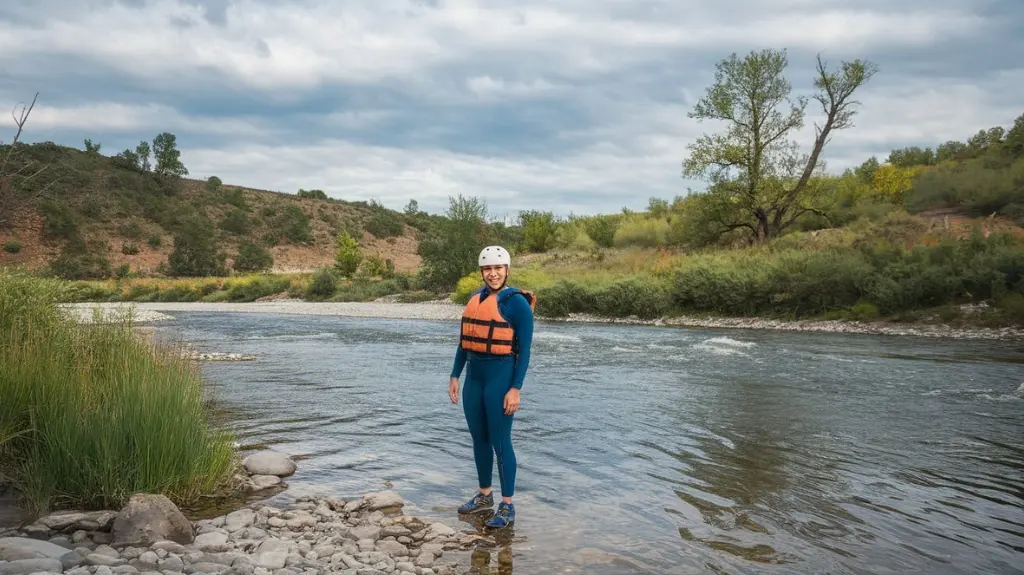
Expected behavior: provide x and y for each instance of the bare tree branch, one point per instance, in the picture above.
(8, 189)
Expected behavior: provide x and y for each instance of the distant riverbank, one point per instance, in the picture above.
(441, 310)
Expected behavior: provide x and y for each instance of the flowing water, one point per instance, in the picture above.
(659, 450)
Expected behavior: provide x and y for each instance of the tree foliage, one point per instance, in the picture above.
(347, 255)
(759, 179)
(196, 252)
(167, 155)
(450, 249)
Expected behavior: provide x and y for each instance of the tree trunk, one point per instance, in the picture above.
(763, 232)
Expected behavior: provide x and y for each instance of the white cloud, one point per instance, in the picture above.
(117, 117)
(598, 90)
(366, 42)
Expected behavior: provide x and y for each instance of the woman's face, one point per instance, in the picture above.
(494, 276)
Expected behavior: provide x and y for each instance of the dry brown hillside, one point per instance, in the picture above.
(129, 217)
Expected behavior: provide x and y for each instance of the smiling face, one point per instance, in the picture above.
(494, 276)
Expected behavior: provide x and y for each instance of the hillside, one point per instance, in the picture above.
(96, 208)
(925, 235)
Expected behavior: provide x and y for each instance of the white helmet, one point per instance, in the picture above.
(494, 256)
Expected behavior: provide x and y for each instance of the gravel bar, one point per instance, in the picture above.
(443, 310)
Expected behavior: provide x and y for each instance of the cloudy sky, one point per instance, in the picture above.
(568, 105)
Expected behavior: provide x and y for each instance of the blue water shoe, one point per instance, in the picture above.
(505, 516)
(479, 502)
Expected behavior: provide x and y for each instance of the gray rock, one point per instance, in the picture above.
(365, 532)
(269, 462)
(215, 541)
(64, 541)
(203, 567)
(148, 518)
(88, 521)
(27, 566)
(239, 519)
(439, 530)
(261, 482)
(124, 570)
(72, 559)
(172, 563)
(169, 546)
(383, 500)
(393, 548)
(36, 531)
(107, 550)
(101, 559)
(29, 548)
(272, 554)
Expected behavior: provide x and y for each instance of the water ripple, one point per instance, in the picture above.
(652, 450)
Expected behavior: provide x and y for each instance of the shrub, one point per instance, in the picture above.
(195, 251)
(384, 223)
(252, 258)
(235, 221)
(251, 289)
(642, 297)
(573, 236)
(130, 249)
(12, 246)
(602, 229)
(642, 232)
(374, 266)
(323, 285)
(347, 256)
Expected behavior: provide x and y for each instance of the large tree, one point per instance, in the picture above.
(760, 180)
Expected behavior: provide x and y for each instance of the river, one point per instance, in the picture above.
(658, 450)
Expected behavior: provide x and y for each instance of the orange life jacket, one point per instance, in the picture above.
(484, 330)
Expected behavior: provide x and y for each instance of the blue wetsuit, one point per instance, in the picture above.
(488, 379)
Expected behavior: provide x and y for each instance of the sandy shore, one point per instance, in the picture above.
(148, 312)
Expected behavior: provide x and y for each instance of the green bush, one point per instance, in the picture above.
(573, 236)
(564, 298)
(384, 223)
(235, 221)
(12, 246)
(323, 285)
(252, 258)
(253, 289)
(602, 229)
(288, 221)
(93, 414)
(640, 231)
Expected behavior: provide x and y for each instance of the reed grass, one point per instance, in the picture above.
(93, 413)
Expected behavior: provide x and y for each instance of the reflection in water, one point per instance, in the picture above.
(647, 450)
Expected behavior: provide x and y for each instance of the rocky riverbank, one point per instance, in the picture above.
(447, 311)
(365, 535)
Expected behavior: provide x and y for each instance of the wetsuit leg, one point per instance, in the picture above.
(499, 425)
(476, 419)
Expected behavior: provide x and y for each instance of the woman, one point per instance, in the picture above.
(496, 335)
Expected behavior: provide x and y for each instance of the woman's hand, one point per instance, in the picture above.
(453, 390)
(512, 401)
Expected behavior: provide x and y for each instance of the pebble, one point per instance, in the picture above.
(311, 535)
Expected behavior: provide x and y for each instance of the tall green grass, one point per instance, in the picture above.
(93, 413)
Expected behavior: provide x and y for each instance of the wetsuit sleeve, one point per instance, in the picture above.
(520, 317)
(460, 362)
